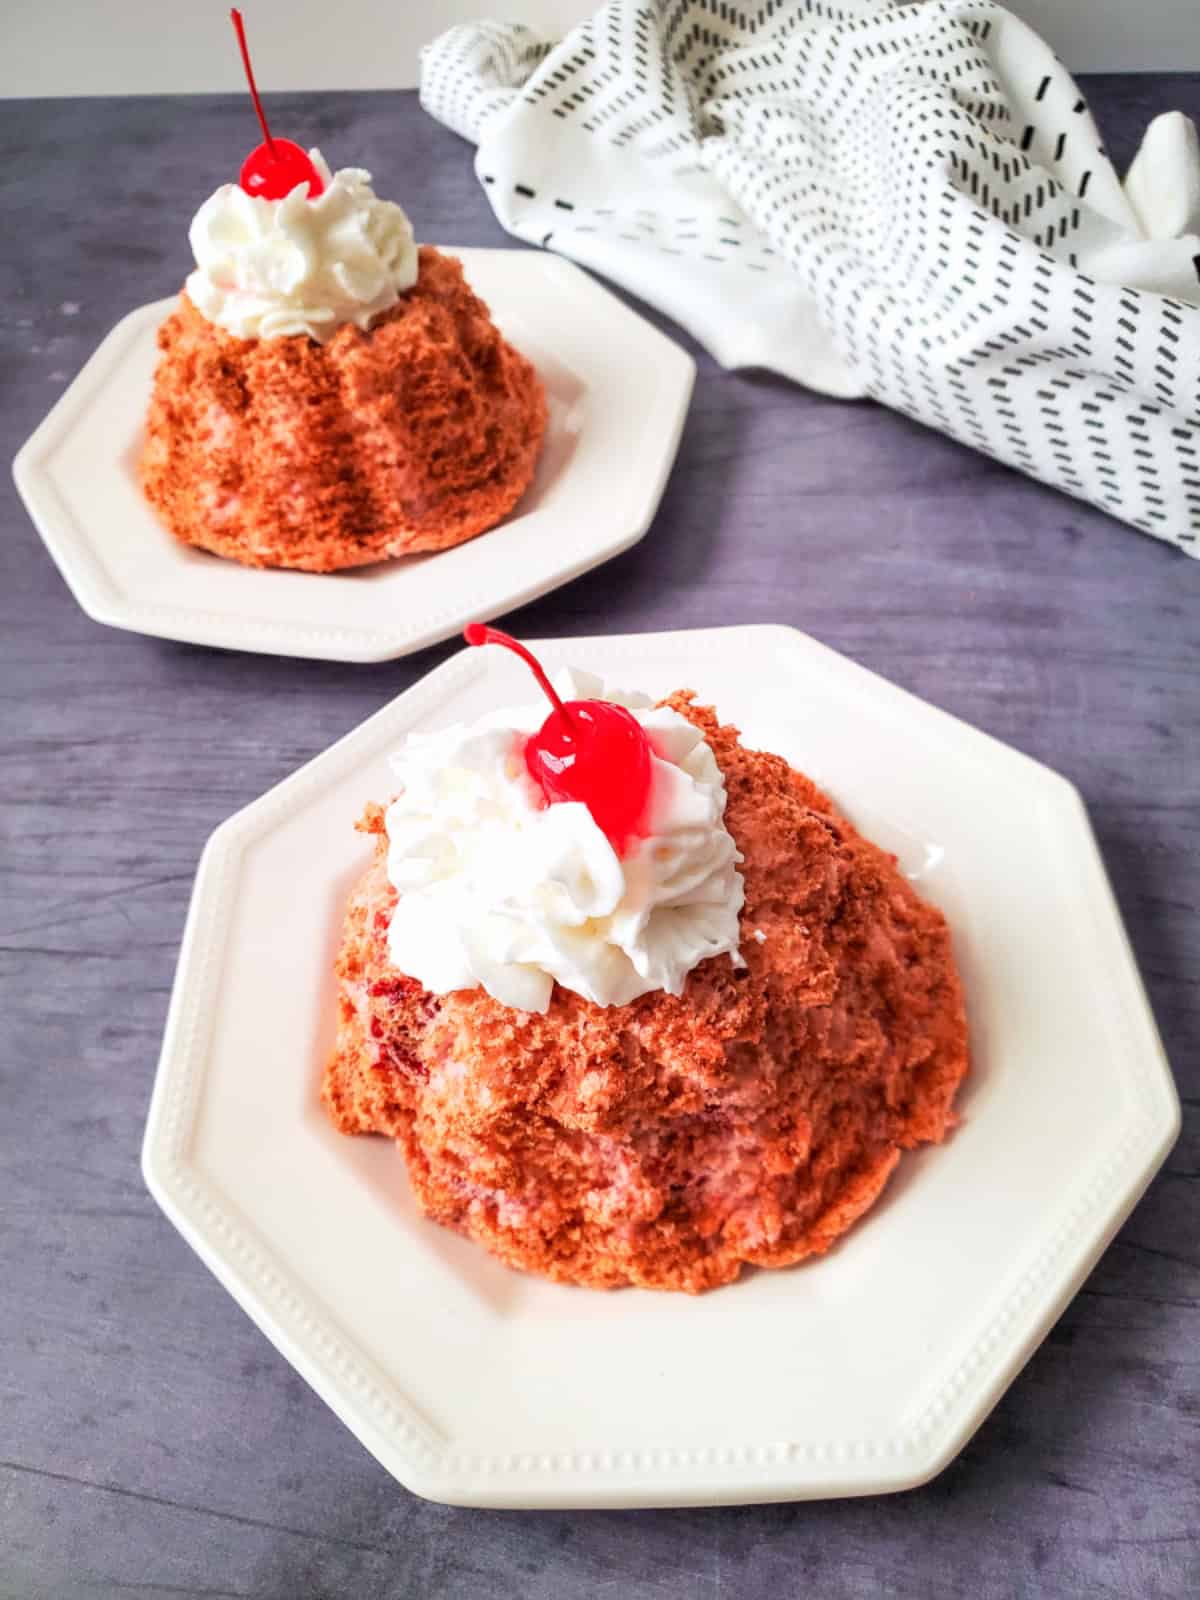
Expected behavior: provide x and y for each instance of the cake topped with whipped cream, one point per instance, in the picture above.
(329, 393)
(638, 1004)
(268, 268)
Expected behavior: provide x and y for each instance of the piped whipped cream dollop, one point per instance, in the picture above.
(499, 890)
(268, 268)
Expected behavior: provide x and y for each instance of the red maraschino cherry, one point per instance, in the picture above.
(586, 750)
(273, 170)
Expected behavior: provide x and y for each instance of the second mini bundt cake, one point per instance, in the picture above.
(412, 436)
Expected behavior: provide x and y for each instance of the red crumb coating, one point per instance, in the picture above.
(667, 1142)
(416, 435)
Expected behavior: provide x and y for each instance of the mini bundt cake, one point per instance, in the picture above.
(414, 435)
(670, 1141)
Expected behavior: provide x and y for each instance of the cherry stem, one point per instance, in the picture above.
(240, 30)
(478, 633)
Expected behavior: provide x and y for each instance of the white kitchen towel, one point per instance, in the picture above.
(906, 201)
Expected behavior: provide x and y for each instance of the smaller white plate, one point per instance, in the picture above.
(618, 392)
(861, 1372)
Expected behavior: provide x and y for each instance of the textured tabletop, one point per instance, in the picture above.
(153, 1443)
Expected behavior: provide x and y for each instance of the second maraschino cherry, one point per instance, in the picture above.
(589, 751)
(277, 166)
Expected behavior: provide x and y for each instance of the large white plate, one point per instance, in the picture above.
(618, 393)
(864, 1371)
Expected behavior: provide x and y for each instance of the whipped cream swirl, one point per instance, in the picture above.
(269, 268)
(500, 890)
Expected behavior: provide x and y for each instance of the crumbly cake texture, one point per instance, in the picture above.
(668, 1142)
(414, 436)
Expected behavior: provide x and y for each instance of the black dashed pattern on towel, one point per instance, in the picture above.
(925, 177)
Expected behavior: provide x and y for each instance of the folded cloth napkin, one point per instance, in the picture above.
(906, 201)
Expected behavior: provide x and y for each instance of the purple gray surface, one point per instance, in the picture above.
(153, 1443)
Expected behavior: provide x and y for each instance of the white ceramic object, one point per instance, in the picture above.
(618, 392)
(864, 1371)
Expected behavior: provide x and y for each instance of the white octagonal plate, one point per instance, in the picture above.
(618, 392)
(864, 1371)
